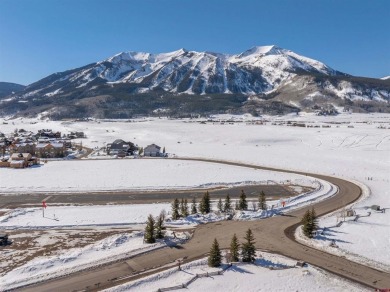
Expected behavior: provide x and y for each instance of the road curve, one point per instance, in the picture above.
(274, 234)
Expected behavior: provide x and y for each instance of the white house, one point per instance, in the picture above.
(152, 150)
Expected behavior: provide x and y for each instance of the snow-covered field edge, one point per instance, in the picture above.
(196, 273)
(301, 238)
(63, 272)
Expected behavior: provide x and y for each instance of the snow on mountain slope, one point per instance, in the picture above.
(266, 79)
(257, 70)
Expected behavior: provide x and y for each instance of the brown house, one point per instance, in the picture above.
(50, 150)
(23, 148)
(4, 162)
(22, 160)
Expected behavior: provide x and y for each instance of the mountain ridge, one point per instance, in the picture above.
(137, 80)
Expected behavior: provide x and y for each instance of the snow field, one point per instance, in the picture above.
(73, 216)
(132, 174)
(270, 273)
(109, 249)
(118, 215)
(352, 153)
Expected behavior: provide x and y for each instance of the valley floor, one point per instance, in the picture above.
(354, 147)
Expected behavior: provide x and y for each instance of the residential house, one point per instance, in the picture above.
(25, 147)
(119, 147)
(4, 162)
(49, 133)
(22, 160)
(50, 150)
(152, 150)
(3, 239)
(3, 147)
(75, 135)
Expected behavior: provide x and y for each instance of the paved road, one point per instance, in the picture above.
(137, 197)
(273, 234)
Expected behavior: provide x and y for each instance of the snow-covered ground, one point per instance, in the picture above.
(356, 146)
(132, 174)
(269, 273)
(73, 216)
(107, 250)
(125, 215)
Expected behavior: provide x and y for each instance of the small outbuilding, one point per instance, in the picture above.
(376, 208)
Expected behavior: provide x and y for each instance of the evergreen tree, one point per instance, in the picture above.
(204, 207)
(149, 230)
(307, 227)
(234, 249)
(141, 151)
(314, 221)
(194, 210)
(310, 224)
(262, 204)
(175, 209)
(248, 250)
(160, 226)
(220, 206)
(243, 204)
(164, 150)
(227, 206)
(185, 211)
(215, 255)
(182, 208)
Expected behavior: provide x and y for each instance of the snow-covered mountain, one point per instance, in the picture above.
(258, 70)
(136, 81)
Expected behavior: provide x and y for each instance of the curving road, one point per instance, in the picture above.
(272, 234)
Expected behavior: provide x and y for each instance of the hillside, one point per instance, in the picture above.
(7, 88)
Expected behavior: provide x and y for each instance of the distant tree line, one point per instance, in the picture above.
(180, 208)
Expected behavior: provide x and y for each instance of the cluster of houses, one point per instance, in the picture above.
(121, 148)
(24, 148)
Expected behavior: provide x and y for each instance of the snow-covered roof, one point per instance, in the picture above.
(42, 145)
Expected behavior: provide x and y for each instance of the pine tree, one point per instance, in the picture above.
(227, 206)
(234, 249)
(220, 206)
(262, 204)
(215, 255)
(149, 230)
(164, 150)
(185, 211)
(175, 209)
(313, 223)
(248, 250)
(182, 208)
(160, 226)
(141, 151)
(306, 221)
(243, 204)
(194, 210)
(204, 207)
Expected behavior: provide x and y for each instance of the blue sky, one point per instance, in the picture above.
(41, 37)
